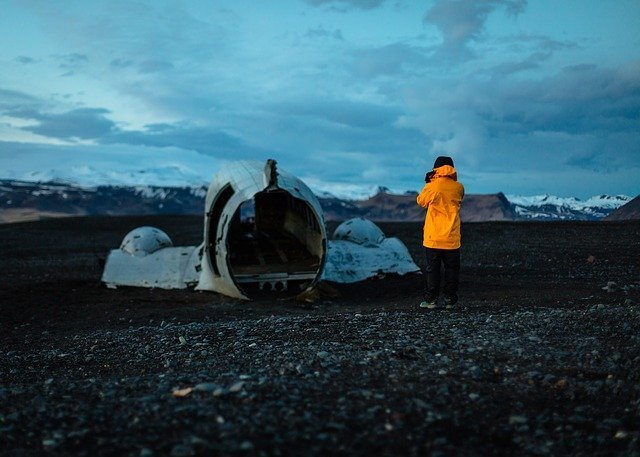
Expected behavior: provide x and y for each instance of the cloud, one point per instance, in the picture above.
(461, 21)
(15, 100)
(344, 125)
(121, 63)
(143, 67)
(94, 125)
(345, 5)
(538, 48)
(340, 141)
(531, 62)
(321, 32)
(203, 139)
(25, 60)
(82, 123)
(150, 36)
(71, 60)
(579, 100)
(340, 112)
(154, 66)
(71, 63)
(392, 59)
(582, 118)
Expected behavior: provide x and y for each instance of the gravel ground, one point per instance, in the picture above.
(538, 359)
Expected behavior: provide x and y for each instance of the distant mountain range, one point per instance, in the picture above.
(23, 200)
(551, 207)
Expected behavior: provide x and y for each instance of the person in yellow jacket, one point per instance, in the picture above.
(442, 196)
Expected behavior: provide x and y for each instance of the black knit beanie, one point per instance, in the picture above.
(443, 160)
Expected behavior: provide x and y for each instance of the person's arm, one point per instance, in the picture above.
(424, 197)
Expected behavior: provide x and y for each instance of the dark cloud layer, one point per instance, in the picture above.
(11, 100)
(594, 101)
(206, 140)
(83, 123)
(95, 124)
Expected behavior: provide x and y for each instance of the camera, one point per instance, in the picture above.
(429, 176)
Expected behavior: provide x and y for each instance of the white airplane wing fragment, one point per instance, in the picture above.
(360, 251)
(147, 258)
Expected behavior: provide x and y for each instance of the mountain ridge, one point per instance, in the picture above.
(25, 200)
(628, 211)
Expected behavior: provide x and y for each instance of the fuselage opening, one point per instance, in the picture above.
(275, 245)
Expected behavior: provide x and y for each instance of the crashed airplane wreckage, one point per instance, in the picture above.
(264, 234)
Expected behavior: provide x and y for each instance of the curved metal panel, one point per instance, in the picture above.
(247, 179)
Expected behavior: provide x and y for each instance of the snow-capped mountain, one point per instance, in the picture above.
(23, 200)
(89, 167)
(87, 177)
(550, 207)
(347, 191)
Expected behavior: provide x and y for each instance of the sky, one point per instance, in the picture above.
(528, 97)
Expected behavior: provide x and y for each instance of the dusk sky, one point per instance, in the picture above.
(528, 97)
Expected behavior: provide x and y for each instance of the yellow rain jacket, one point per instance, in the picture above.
(442, 197)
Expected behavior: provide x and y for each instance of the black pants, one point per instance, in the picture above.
(451, 260)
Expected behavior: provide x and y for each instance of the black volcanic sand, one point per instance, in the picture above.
(536, 360)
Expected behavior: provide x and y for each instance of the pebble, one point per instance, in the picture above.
(549, 379)
(518, 420)
(246, 446)
(206, 387)
(180, 450)
(237, 387)
(420, 403)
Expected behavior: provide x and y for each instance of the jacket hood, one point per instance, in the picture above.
(446, 171)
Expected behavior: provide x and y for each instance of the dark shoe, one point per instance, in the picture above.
(430, 304)
(449, 302)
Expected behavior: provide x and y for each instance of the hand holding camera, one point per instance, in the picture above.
(429, 176)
